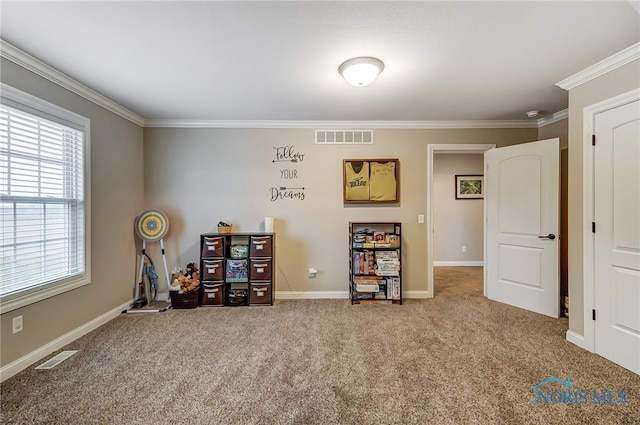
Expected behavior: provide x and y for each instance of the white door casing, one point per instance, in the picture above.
(522, 221)
(617, 235)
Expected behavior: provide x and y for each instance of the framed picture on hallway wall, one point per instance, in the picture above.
(370, 180)
(469, 186)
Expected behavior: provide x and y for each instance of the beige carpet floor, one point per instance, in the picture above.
(455, 359)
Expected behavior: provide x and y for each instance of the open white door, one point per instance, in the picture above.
(522, 206)
(617, 235)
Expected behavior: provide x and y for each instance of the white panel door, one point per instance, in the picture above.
(617, 236)
(522, 207)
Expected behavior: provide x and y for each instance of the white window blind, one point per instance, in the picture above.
(42, 200)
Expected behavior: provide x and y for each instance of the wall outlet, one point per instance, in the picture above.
(464, 249)
(420, 218)
(17, 324)
(312, 272)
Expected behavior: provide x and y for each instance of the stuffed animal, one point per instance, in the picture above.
(191, 269)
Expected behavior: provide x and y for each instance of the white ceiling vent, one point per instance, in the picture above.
(344, 137)
(57, 359)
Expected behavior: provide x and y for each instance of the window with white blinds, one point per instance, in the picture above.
(43, 209)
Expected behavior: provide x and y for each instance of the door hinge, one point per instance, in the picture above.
(593, 314)
(593, 140)
(593, 227)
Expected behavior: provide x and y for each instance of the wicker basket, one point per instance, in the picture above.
(185, 300)
(225, 230)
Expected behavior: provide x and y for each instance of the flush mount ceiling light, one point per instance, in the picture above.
(361, 71)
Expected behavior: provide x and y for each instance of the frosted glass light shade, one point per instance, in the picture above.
(361, 71)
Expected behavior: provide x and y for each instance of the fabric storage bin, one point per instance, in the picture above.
(260, 269)
(212, 270)
(212, 293)
(213, 246)
(237, 271)
(237, 295)
(260, 246)
(260, 293)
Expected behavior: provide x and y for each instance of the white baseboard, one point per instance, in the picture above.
(314, 295)
(24, 362)
(309, 295)
(416, 294)
(576, 339)
(458, 263)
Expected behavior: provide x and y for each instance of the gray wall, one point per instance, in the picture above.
(116, 198)
(608, 85)
(456, 222)
(201, 176)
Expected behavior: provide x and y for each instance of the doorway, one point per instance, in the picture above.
(458, 225)
(432, 151)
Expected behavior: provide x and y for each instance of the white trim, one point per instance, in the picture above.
(614, 61)
(555, 117)
(339, 125)
(17, 56)
(432, 149)
(576, 339)
(317, 295)
(416, 294)
(588, 189)
(309, 295)
(24, 362)
(458, 263)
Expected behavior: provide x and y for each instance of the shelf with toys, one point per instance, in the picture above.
(375, 257)
(236, 269)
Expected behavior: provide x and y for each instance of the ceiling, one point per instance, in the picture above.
(215, 61)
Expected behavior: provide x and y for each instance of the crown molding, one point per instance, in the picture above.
(614, 61)
(20, 58)
(337, 125)
(555, 117)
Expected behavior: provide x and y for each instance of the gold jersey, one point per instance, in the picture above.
(357, 181)
(383, 181)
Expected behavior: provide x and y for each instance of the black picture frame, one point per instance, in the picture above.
(469, 186)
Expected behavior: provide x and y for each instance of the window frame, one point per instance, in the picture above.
(30, 104)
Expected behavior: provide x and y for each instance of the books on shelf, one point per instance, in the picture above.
(372, 279)
(393, 288)
(387, 263)
(363, 262)
(376, 240)
(375, 261)
(367, 287)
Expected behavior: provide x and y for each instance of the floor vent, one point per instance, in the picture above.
(57, 359)
(344, 137)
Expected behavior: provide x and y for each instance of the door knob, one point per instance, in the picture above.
(549, 236)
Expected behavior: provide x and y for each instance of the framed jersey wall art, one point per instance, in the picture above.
(370, 180)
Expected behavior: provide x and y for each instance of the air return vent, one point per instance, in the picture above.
(344, 137)
(57, 359)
